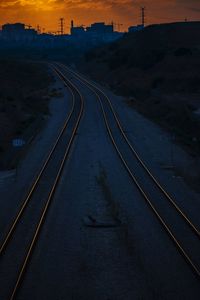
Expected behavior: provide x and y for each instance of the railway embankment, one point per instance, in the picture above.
(157, 71)
(25, 93)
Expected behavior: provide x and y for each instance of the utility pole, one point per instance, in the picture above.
(61, 26)
(113, 25)
(143, 16)
(72, 27)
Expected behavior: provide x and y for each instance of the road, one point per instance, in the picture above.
(101, 239)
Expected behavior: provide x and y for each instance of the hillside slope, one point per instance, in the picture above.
(24, 90)
(158, 69)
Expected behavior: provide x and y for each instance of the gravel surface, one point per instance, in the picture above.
(131, 260)
(128, 256)
(161, 155)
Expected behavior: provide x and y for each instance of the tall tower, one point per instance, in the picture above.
(61, 26)
(143, 16)
(72, 27)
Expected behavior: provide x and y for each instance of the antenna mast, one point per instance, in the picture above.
(143, 16)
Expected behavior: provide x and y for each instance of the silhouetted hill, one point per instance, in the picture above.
(158, 69)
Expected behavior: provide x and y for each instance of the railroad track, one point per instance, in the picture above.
(22, 237)
(179, 227)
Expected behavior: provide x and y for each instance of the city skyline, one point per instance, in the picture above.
(126, 12)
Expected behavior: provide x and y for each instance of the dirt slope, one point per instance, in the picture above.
(158, 70)
(23, 102)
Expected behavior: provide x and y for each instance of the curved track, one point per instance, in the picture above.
(175, 222)
(23, 234)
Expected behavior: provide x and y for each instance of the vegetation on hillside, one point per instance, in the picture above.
(24, 88)
(158, 70)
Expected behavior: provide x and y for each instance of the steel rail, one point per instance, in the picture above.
(37, 179)
(177, 243)
(50, 196)
(170, 199)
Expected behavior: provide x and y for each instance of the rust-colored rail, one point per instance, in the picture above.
(99, 93)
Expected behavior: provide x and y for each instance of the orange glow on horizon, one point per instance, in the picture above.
(46, 13)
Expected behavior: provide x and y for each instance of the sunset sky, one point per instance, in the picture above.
(47, 12)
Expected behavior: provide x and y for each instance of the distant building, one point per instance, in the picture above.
(94, 35)
(46, 40)
(77, 30)
(136, 28)
(18, 32)
(100, 28)
(81, 38)
(100, 33)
